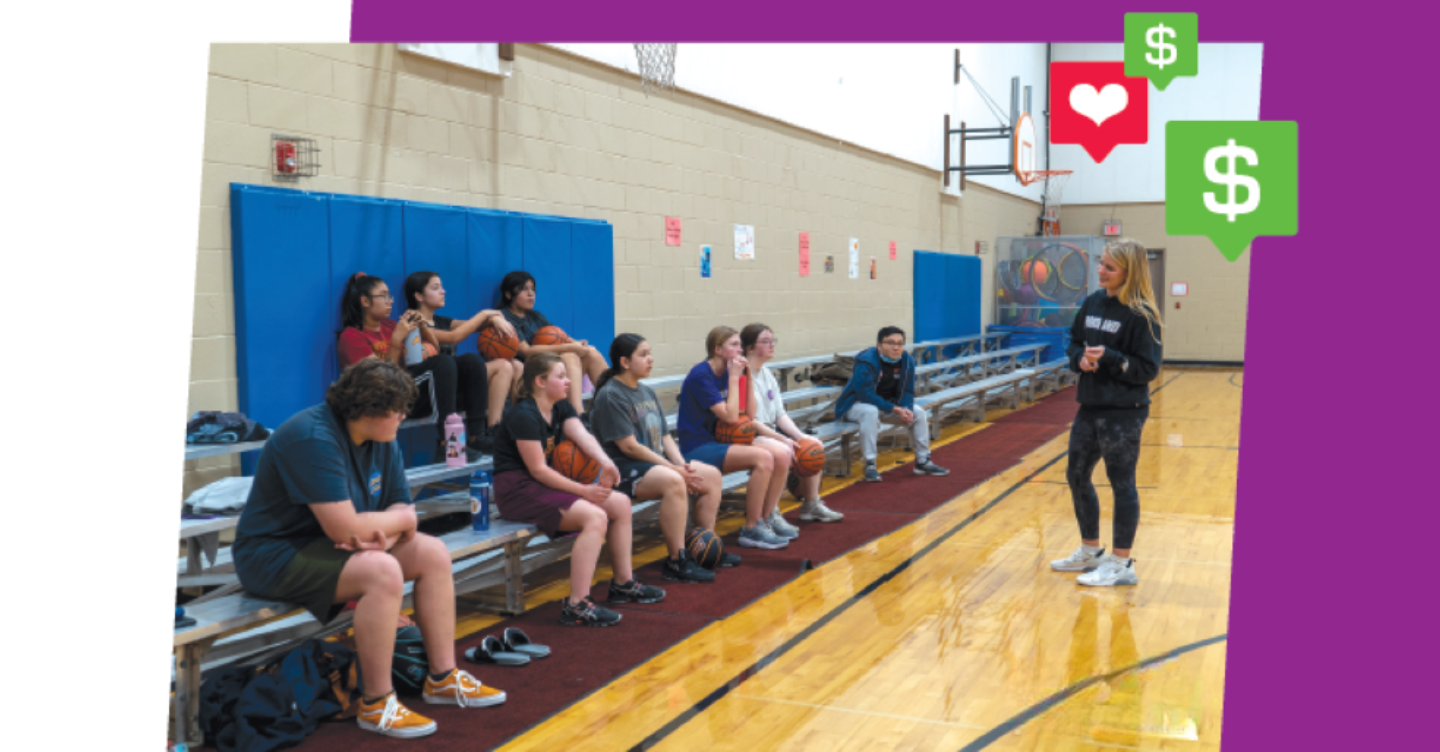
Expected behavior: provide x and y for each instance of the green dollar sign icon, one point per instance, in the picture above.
(1231, 181)
(1161, 46)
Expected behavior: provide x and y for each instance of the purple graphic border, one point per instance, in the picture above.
(1330, 511)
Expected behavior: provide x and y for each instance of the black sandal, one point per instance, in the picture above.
(492, 651)
(517, 642)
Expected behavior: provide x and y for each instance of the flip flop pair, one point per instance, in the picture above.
(515, 650)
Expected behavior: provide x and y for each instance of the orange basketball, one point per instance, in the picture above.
(574, 464)
(550, 335)
(705, 547)
(496, 345)
(740, 432)
(809, 458)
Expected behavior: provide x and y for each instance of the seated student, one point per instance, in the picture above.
(330, 520)
(628, 420)
(882, 388)
(425, 293)
(528, 490)
(370, 333)
(517, 301)
(710, 394)
(776, 428)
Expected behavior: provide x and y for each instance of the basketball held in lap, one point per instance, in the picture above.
(494, 344)
(571, 462)
(550, 335)
(809, 458)
(740, 432)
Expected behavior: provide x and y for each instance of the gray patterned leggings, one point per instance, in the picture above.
(1096, 435)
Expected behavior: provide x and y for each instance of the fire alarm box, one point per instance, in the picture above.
(293, 157)
(285, 161)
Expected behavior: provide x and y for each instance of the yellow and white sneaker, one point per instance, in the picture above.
(387, 716)
(460, 688)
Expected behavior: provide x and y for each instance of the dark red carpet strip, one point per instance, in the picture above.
(1058, 408)
(586, 659)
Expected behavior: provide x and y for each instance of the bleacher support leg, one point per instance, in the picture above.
(515, 577)
(187, 692)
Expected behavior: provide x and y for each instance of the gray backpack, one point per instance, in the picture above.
(835, 373)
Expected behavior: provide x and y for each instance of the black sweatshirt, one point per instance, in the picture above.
(1131, 360)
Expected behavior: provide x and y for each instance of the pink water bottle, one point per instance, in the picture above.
(455, 440)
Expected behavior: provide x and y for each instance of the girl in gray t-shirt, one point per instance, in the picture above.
(630, 424)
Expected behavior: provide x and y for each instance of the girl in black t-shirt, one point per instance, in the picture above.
(425, 293)
(528, 490)
(517, 300)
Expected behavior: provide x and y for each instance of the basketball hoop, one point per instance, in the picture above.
(1055, 181)
(657, 66)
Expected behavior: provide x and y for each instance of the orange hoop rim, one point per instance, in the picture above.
(1034, 175)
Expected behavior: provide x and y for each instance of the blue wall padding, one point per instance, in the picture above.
(280, 249)
(592, 275)
(293, 252)
(435, 241)
(929, 301)
(947, 296)
(497, 247)
(547, 258)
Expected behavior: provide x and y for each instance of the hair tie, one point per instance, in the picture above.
(357, 275)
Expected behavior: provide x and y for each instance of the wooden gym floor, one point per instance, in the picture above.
(953, 633)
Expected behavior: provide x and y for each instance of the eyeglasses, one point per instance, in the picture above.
(767, 342)
(893, 343)
(383, 296)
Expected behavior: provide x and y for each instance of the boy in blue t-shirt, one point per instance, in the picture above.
(330, 520)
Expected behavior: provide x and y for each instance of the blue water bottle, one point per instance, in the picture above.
(480, 501)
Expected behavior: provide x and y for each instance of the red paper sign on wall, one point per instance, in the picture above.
(892, 250)
(672, 231)
(804, 254)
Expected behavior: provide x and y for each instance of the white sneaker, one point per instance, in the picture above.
(1080, 561)
(816, 511)
(782, 527)
(1112, 571)
(761, 537)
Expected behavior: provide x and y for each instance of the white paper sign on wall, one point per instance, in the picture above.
(1179, 289)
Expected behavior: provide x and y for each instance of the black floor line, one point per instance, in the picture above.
(1167, 383)
(1066, 483)
(1039, 708)
(659, 735)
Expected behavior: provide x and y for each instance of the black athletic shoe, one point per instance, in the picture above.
(587, 614)
(728, 559)
(635, 591)
(684, 569)
(483, 442)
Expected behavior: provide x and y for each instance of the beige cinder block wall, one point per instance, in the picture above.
(568, 136)
(1209, 326)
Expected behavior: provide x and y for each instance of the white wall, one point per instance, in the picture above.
(890, 98)
(1227, 88)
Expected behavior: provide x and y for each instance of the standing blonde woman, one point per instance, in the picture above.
(1115, 345)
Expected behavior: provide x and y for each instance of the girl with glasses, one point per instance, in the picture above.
(370, 333)
(777, 430)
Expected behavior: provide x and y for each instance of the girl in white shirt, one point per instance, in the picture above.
(767, 407)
